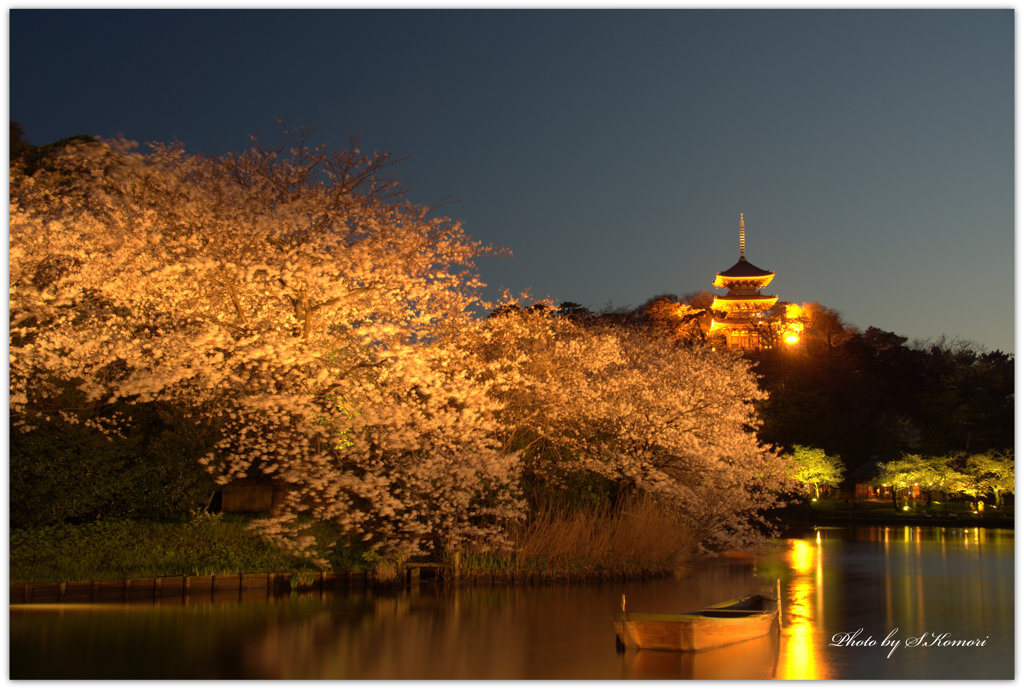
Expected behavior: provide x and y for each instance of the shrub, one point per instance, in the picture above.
(65, 472)
(116, 548)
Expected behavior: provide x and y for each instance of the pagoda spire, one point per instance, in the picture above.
(743, 239)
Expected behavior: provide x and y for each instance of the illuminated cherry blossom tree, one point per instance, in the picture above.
(294, 299)
(639, 409)
(290, 295)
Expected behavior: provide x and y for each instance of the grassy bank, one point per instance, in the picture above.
(579, 543)
(118, 549)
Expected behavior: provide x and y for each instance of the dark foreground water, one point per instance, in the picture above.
(867, 602)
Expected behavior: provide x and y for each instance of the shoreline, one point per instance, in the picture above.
(254, 586)
(251, 586)
(805, 521)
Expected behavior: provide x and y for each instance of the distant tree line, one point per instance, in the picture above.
(873, 396)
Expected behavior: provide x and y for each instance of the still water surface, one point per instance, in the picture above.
(933, 585)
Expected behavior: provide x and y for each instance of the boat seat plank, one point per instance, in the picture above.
(733, 611)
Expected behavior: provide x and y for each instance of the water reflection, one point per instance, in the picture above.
(475, 633)
(801, 602)
(885, 586)
(751, 659)
(874, 580)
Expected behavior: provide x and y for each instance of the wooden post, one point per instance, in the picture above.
(92, 591)
(778, 601)
(62, 591)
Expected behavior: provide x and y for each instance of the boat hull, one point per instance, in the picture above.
(692, 632)
(754, 659)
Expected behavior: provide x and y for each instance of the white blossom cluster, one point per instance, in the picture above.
(676, 422)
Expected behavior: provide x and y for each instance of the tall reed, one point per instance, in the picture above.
(633, 539)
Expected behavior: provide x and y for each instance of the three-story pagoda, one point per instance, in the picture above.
(740, 313)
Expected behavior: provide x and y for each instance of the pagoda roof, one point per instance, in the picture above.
(745, 269)
(745, 298)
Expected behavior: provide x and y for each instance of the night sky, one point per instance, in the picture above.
(870, 151)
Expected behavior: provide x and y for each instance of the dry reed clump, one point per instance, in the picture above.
(634, 539)
(385, 571)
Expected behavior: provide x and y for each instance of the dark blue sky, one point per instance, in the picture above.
(870, 151)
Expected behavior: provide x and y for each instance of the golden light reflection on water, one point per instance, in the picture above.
(800, 657)
(922, 585)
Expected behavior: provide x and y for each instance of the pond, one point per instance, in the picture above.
(865, 602)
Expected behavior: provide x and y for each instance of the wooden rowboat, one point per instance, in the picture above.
(755, 659)
(714, 626)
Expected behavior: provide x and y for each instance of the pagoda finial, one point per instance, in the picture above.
(743, 240)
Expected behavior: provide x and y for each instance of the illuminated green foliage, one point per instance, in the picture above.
(993, 472)
(814, 467)
(976, 475)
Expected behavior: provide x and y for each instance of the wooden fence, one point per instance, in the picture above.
(209, 587)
